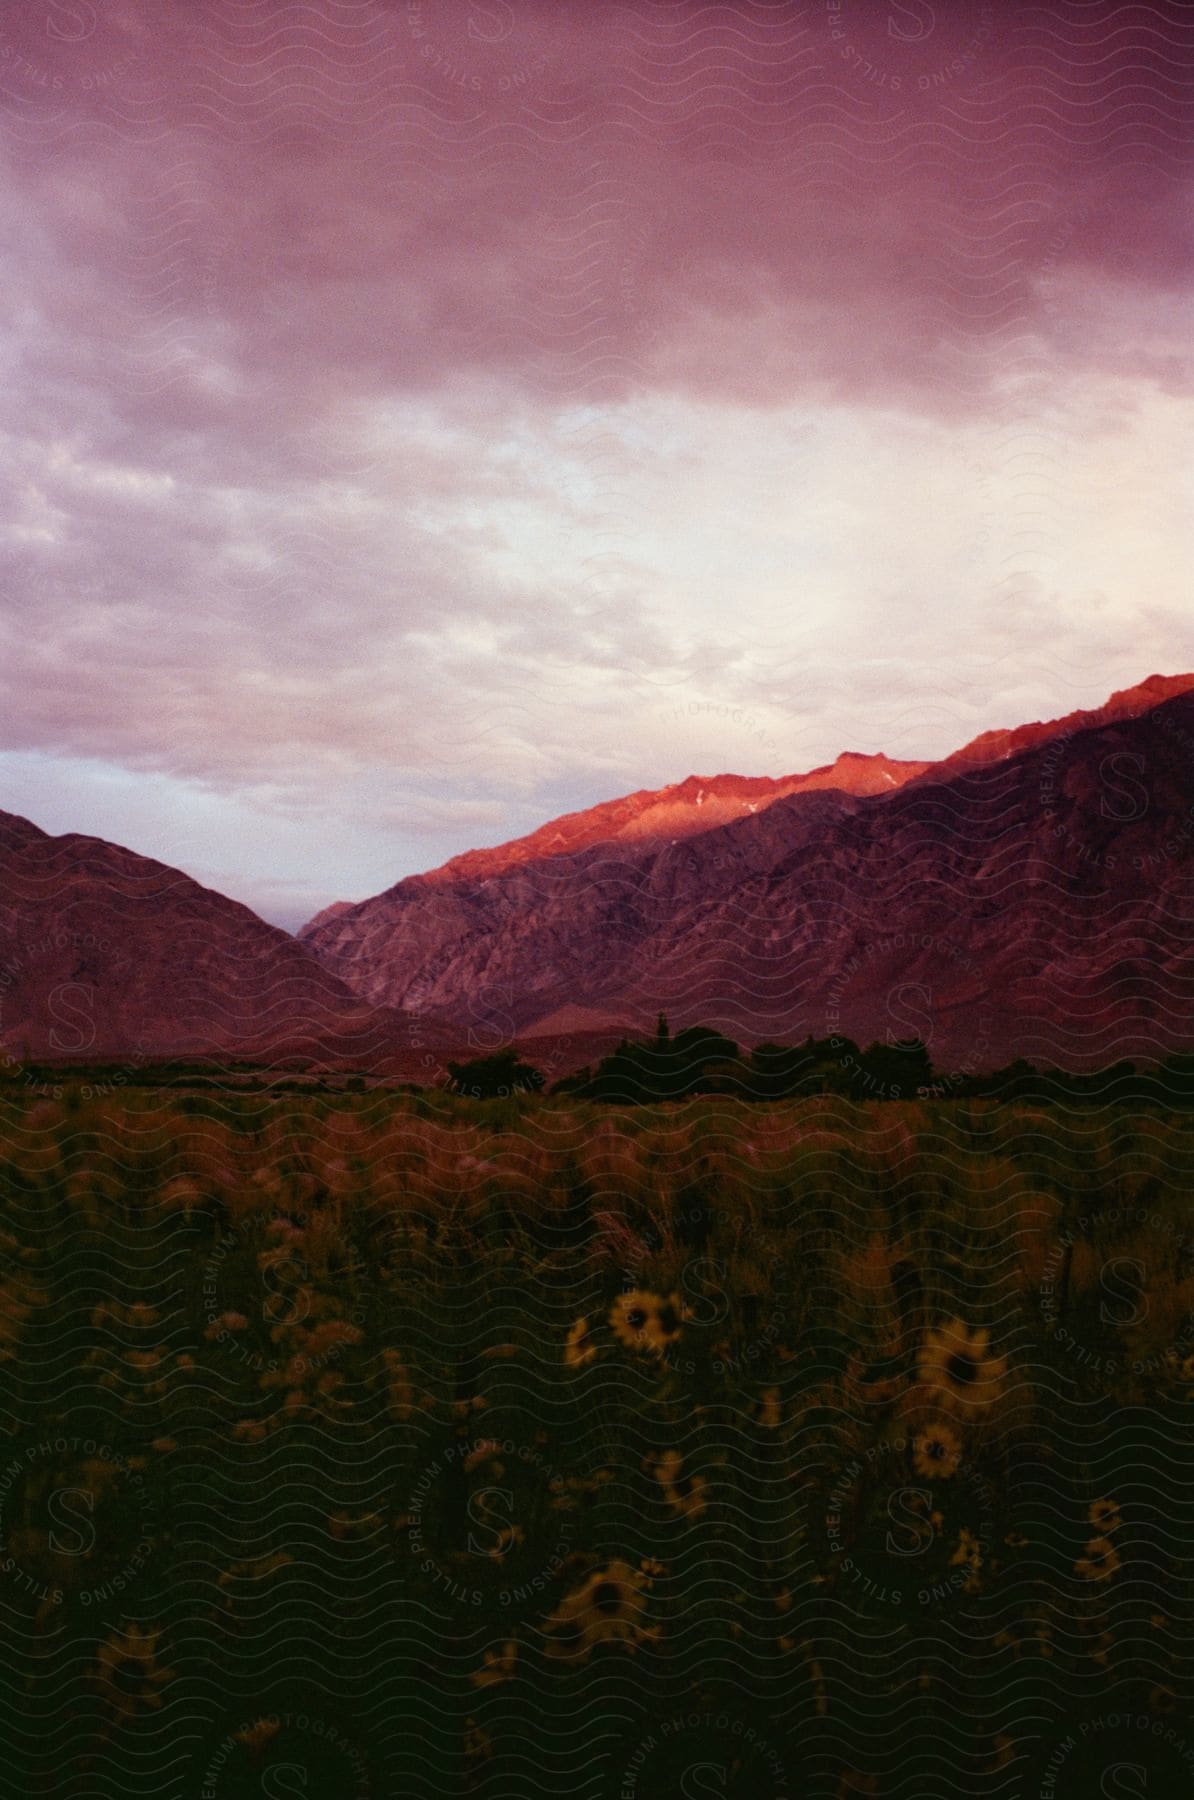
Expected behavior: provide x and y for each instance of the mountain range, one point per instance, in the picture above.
(1030, 894)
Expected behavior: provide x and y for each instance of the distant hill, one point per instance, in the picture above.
(107, 954)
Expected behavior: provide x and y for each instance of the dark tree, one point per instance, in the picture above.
(495, 1077)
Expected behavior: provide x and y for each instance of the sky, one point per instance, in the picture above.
(421, 418)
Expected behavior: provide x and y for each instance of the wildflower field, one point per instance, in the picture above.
(392, 1445)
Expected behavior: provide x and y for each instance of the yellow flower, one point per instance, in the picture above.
(956, 1363)
(1003, 1752)
(629, 1315)
(936, 1452)
(499, 1666)
(608, 1607)
(128, 1674)
(257, 1735)
(254, 1570)
(1104, 1515)
(1100, 1561)
(580, 1347)
(227, 1321)
(683, 1493)
(968, 1554)
(478, 1745)
(667, 1322)
(568, 1638)
(646, 1322)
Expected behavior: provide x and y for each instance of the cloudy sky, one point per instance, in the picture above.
(421, 417)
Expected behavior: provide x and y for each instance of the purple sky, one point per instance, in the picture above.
(422, 418)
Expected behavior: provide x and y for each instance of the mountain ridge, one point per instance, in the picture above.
(630, 816)
(748, 924)
(1028, 894)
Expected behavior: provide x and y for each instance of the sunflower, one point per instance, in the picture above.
(128, 1673)
(646, 1322)
(628, 1317)
(969, 1556)
(257, 1735)
(936, 1451)
(817, 1672)
(499, 1666)
(580, 1347)
(955, 1362)
(1104, 1515)
(615, 1596)
(683, 1493)
(1100, 1561)
(1003, 1752)
(567, 1638)
(227, 1321)
(608, 1607)
(478, 1745)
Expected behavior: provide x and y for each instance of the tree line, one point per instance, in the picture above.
(702, 1061)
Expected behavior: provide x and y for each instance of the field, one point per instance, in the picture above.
(368, 1444)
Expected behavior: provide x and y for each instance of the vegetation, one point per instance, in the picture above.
(369, 1434)
(698, 1061)
(702, 1061)
(496, 1077)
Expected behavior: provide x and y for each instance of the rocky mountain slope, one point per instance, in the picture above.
(1032, 894)
(105, 954)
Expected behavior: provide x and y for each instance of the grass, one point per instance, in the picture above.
(426, 1445)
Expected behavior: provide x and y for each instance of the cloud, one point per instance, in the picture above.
(435, 401)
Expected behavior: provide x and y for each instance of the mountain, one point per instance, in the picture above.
(663, 815)
(1031, 894)
(1127, 703)
(105, 954)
